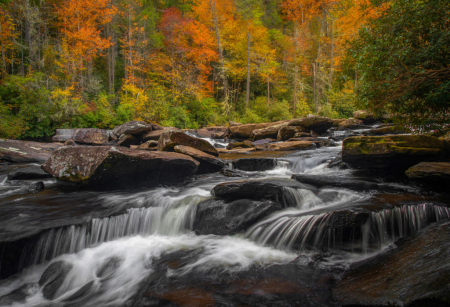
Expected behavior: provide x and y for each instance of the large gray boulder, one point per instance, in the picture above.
(89, 136)
(26, 152)
(133, 127)
(169, 139)
(115, 167)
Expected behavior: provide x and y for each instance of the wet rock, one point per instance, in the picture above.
(220, 217)
(89, 136)
(170, 139)
(231, 173)
(109, 268)
(317, 123)
(82, 295)
(254, 164)
(435, 174)
(245, 144)
(320, 181)
(271, 189)
(208, 163)
(391, 129)
(365, 116)
(26, 152)
(111, 167)
(319, 142)
(392, 154)
(155, 134)
(336, 122)
(204, 133)
(263, 141)
(133, 128)
(414, 272)
(268, 132)
(337, 163)
(149, 145)
(53, 277)
(236, 150)
(287, 132)
(219, 135)
(351, 123)
(36, 187)
(69, 142)
(277, 285)
(31, 172)
(245, 131)
(290, 146)
(128, 140)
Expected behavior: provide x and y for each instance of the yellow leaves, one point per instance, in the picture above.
(135, 98)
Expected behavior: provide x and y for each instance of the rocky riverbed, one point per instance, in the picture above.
(306, 212)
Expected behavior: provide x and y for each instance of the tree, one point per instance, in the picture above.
(403, 58)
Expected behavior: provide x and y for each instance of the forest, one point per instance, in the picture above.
(194, 63)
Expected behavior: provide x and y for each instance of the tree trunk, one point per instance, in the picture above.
(332, 53)
(268, 90)
(247, 99)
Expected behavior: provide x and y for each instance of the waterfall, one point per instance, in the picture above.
(166, 220)
(360, 231)
(300, 198)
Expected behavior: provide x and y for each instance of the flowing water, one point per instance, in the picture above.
(115, 242)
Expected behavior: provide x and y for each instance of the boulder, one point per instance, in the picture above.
(351, 123)
(149, 145)
(413, 272)
(436, 174)
(390, 129)
(128, 140)
(108, 167)
(319, 124)
(155, 134)
(290, 146)
(364, 116)
(287, 132)
(268, 132)
(53, 277)
(302, 135)
(392, 154)
(26, 152)
(170, 139)
(320, 181)
(223, 218)
(133, 127)
(245, 130)
(219, 135)
(336, 122)
(204, 133)
(69, 142)
(208, 163)
(446, 137)
(31, 172)
(218, 129)
(258, 189)
(254, 164)
(263, 141)
(232, 124)
(90, 136)
(232, 173)
(156, 127)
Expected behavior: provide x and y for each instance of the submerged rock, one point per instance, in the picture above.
(170, 139)
(208, 163)
(31, 172)
(26, 152)
(317, 123)
(132, 127)
(272, 189)
(392, 153)
(290, 146)
(415, 273)
(112, 167)
(220, 217)
(53, 277)
(435, 174)
(90, 136)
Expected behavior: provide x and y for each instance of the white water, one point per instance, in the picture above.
(219, 143)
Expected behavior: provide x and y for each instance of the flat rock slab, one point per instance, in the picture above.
(208, 163)
(290, 146)
(394, 153)
(271, 189)
(111, 167)
(220, 217)
(26, 152)
(90, 136)
(414, 273)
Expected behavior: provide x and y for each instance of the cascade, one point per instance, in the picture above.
(362, 231)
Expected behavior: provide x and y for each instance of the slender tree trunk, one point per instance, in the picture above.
(314, 81)
(21, 49)
(268, 90)
(247, 99)
(222, 66)
(332, 53)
